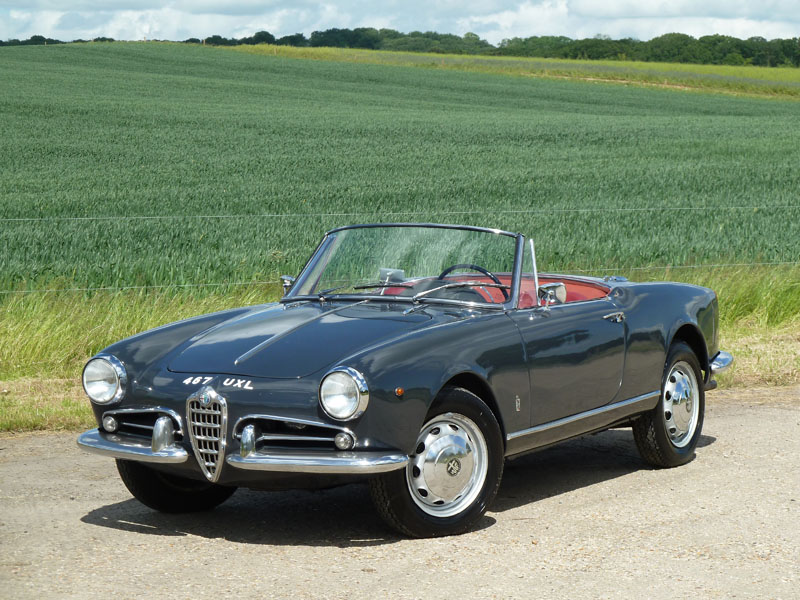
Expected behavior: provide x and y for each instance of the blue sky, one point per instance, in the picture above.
(492, 20)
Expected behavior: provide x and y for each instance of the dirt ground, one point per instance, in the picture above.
(584, 519)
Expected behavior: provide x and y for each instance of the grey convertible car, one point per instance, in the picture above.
(415, 357)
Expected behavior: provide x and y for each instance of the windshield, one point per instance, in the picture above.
(412, 263)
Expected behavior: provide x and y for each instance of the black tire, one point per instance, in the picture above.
(465, 440)
(667, 436)
(170, 493)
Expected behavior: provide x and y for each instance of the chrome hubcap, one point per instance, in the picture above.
(448, 469)
(681, 403)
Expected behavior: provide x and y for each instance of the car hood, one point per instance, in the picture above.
(289, 341)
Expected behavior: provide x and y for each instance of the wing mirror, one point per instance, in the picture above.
(552, 293)
(288, 282)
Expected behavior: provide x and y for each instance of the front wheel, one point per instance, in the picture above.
(170, 493)
(667, 435)
(453, 474)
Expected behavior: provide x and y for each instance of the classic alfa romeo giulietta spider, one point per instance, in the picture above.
(414, 357)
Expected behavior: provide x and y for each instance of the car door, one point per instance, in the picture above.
(575, 355)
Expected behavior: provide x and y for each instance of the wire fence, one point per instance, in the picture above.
(243, 283)
(382, 215)
(137, 287)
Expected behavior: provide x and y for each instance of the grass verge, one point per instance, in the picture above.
(45, 338)
(32, 404)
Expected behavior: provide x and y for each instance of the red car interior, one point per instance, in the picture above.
(577, 291)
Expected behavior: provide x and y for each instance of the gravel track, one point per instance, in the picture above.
(583, 519)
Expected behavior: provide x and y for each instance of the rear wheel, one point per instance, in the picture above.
(453, 475)
(667, 436)
(170, 493)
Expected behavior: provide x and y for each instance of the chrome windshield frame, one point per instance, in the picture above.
(322, 247)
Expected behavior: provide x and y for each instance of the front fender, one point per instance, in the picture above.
(484, 346)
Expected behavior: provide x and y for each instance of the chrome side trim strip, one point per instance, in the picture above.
(584, 415)
(128, 448)
(721, 362)
(333, 463)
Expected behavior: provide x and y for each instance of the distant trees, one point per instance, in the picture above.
(261, 37)
(40, 40)
(370, 38)
(34, 40)
(218, 40)
(361, 37)
(430, 41)
(671, 47)
(297, 39)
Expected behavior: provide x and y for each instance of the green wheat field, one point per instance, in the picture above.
(197, 175)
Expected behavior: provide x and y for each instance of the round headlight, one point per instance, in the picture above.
(343, 394)
(104, 379)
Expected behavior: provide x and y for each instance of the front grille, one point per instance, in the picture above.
(141, 421)
(280, 433)
(207, 414)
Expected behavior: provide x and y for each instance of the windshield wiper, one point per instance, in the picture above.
(321, 295)
(456, 284)
(383, 284)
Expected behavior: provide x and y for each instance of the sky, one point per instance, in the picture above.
(492, 20)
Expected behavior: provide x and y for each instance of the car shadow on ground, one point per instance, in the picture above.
(570, 466)
(344, 516)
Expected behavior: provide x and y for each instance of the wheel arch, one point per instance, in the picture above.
(477, 385)
(692, 337)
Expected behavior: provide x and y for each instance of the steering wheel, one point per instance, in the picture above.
(480, 269)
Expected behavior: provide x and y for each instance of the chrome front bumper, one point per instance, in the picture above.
(333, 463)
(129, 448)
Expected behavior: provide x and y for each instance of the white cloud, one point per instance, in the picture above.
(550, 17)
(776, 10)
(23, 20)
(629, 18)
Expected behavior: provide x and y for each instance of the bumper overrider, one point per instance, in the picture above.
(720, 363)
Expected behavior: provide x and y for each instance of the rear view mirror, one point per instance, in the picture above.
(288, 282)
(391, 275)
(552, 293)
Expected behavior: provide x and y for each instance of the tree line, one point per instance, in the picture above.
(671, 47)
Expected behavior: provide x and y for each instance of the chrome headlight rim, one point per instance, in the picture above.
(362, 392)
(120, 373)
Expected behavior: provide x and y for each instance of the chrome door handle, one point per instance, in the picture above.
(616, 317)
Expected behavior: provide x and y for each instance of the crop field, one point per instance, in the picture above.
(201, 173)
(749, 80)
(153, 164)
